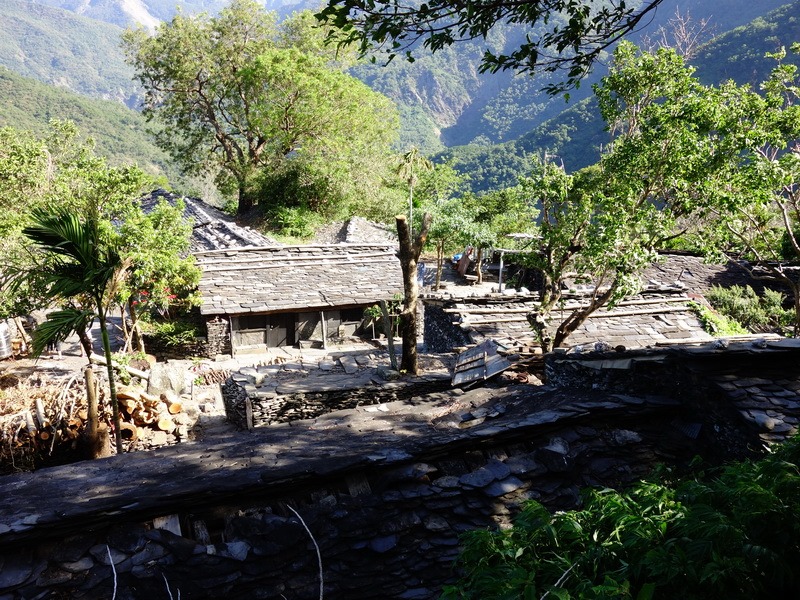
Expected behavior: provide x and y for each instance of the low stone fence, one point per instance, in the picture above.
(384, 491)
(249, 405)
(752, 384)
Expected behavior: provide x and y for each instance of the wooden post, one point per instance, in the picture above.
(324, 330)
(387, 330)
(500, 275)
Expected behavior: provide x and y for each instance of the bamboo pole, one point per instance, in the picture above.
(135, 372)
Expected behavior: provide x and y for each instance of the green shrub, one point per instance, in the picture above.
(716, 323)
(756, 313)
(172, 334)
(733, 533)
(787, 249)
(295, 222)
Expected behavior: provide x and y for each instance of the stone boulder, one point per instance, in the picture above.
(173, 376)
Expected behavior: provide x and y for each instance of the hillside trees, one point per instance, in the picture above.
(92, 243)
(59, 172)
(39, 172)
(568, 34)
(240, 97)
(761, 213)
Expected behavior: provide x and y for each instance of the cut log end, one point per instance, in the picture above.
(128, 431)
(166, 424)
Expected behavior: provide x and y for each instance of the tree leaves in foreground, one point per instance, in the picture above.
(564, 34)
(731, 533)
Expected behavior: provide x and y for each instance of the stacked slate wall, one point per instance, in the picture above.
(218, 337)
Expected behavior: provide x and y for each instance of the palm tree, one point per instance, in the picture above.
(79, 262)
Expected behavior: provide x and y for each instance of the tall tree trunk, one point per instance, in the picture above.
(579, 316)
(409, 255)
(112, 387)
(439, 265)
(96, 434)
(550, 294)
(86, 342)
(245, 199)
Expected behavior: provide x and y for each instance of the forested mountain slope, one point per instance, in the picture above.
(578, 133)
(119, 132)
(64, 50)
(444, 101)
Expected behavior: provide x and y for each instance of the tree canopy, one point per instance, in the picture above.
(58, 173)
(236, 93)
(563, 34)
(677, 147)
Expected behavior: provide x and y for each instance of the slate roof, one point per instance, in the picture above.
(212, 228)
(356, 230)
(637, 322)
(297, 278)
(694, 274)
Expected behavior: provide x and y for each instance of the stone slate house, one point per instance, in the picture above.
(258, 294)
(259, 298)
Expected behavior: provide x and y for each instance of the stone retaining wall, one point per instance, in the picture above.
(389, 531)
(248, 408)
(218, 337)
(740, 389)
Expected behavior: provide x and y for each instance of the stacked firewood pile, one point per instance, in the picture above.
(142, 411)
(40, 422)
(43, 421)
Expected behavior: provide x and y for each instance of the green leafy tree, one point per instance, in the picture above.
(568, 34)
(59, 171)
(585, 236)
(233, 98)
(449, 221)
(761, 211)
(56, 169)
(491, 216)
(162, 273)
(677, 146)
